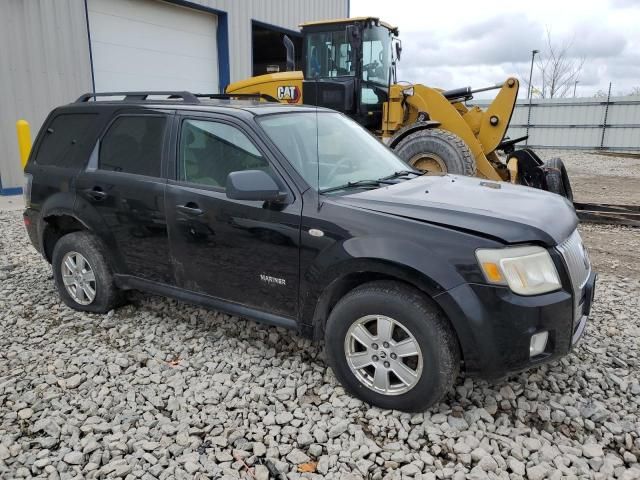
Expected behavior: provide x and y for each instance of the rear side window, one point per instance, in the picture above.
(67, 140)
(133, 144)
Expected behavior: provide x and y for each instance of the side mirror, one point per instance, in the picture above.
(398, 48)
(256, 185)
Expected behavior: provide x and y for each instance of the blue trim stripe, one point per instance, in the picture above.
(224, 74)
(11, 191)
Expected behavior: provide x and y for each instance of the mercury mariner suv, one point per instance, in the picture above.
(297, 217)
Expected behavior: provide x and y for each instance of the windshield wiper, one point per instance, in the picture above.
(402, 173)
(358, 183)
(373, 183)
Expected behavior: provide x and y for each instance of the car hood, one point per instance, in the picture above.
(506, 212)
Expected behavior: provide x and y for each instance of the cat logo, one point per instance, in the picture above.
(289, 93)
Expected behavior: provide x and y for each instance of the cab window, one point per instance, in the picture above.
(329, 55)
(376, 55)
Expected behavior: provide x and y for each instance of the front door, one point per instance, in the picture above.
(122, 191)
(245, 252)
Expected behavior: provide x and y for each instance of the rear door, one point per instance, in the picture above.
(245, 252)
(122, 190)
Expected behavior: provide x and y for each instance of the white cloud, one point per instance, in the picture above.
(481, 43)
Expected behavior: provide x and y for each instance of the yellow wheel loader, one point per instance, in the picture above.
(349, 65)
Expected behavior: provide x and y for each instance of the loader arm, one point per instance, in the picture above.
(496, 118)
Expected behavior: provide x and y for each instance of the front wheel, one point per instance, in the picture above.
(391, 346)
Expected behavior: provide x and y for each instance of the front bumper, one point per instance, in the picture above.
(584, 309)
(494, 325)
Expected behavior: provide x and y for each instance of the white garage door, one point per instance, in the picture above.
(152, 45)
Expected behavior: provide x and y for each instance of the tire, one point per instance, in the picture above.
(415, 314)
(89, 248)
(442, 150)
(558, 179)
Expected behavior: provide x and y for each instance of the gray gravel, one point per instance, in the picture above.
(161, 389)
(587, 162)
(600, 178)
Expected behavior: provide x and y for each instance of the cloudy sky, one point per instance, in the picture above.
(458, 43)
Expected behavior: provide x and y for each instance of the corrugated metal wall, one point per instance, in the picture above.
(282, 13)
(44, 62)
(44, 55)
(578, 123)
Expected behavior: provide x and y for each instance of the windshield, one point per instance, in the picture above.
(376, 55)
(346, 152)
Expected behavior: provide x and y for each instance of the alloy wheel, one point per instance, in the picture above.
(78, 278)
(383, 354)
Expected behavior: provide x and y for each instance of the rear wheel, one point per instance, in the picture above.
(558, 179)
(82, 275)
(391, 347)
(437, 151)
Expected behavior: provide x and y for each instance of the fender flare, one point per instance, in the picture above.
(58, 205)
(339, 279)
(64, 204)
(409, 129)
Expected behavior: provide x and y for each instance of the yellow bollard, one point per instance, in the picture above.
(24, 141)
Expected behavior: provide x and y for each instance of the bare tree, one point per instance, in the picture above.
(634, 91)
(556, 70)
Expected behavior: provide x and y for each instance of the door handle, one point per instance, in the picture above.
(96, 193)
(190, 209)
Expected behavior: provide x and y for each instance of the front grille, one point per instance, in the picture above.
(577, 262)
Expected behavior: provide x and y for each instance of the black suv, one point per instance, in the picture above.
(297, 217)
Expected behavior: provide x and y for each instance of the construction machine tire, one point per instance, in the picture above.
(557, 178)
(435, 150)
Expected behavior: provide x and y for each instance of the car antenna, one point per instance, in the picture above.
(317, 146)
(391, 69)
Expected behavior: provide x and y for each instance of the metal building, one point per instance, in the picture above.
(54, 51)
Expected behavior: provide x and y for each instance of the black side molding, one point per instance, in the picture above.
(128, 282)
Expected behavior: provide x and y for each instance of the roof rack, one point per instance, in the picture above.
(231, 96)
(186, 97)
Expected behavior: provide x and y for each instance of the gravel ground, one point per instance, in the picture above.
(161, 389)
(600, 178)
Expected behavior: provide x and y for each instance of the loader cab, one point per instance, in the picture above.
(348, 66)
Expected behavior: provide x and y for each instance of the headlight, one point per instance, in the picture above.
(526, 270)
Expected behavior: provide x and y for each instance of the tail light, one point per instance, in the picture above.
(28, 181)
